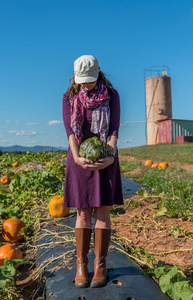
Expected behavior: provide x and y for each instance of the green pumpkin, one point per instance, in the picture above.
(94, 149)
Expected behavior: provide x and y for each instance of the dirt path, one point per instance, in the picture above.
(168, 239)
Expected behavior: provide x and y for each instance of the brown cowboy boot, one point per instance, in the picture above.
(102, 239)
(82, 247)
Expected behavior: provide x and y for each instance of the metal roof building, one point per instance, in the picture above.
(175, 131)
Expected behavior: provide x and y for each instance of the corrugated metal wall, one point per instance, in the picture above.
(169, 129)
(181, 128)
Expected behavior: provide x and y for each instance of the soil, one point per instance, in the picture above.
(168, 239)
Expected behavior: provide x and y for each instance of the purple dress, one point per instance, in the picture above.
(83, 188)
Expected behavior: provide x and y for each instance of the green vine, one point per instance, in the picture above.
(172, 281)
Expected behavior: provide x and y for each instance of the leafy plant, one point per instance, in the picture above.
(174, 184)
(172, 281)
(7, 272)
(32, 185)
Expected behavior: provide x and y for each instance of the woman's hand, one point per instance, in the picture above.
(85, 163)
(88, 164)
(104, 162)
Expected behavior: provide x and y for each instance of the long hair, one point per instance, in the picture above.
(74, 88)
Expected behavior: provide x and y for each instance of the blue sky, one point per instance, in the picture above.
(40, 39)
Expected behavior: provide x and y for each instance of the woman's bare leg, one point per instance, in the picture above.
(84, 218)
(102, 217)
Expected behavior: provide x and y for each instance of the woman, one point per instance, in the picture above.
(91, 108)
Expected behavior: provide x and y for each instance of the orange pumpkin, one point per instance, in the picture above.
(56, 208)
(5, 179)
(148, 163)
(10, 251)
(15, 164)
(163, 165)
(12, 230)
(155, 165)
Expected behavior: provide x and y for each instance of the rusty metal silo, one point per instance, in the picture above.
(158, 101)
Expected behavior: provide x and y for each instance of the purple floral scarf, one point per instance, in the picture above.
(98, 101)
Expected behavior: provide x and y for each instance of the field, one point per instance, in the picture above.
(154, 228)
(37, 178)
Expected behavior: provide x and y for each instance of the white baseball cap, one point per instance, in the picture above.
(86, 69)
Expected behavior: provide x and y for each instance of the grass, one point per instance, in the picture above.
(174, 185)
(182, 153)
(172, 192)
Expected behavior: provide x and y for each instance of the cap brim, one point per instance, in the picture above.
(85, 79)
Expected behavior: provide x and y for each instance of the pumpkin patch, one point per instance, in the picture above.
(27, 197)
(23, 204)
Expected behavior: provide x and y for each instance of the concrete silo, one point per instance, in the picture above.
(158, 101)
